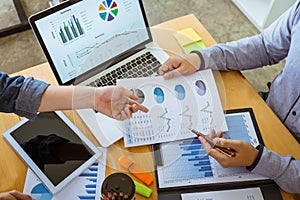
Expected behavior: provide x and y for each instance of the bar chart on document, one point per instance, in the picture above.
(196, 167)
(193, 162)
(238, 194)
(90, 176)
(83, 187)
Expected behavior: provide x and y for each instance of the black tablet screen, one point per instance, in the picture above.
(53, 146)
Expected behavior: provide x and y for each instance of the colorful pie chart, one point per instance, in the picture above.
(108, 10)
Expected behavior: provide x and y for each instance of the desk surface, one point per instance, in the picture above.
(235, 92)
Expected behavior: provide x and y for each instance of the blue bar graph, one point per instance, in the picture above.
(186, 161)
(192, 162)
(91, 186)
(90, 189)
(237, 129)
(70, 29)
(87, 197)
(92, 180)
(89, 174)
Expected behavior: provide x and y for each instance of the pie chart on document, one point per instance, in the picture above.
(159, 95)
(201, 87)
(40, 192)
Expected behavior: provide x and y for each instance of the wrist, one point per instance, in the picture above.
(259, 150)
(83, 97)
(199, 63)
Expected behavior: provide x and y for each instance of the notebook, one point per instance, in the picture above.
(92, 42)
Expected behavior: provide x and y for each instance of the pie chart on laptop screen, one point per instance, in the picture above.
(108, 10)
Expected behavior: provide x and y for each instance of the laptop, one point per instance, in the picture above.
(94, 43)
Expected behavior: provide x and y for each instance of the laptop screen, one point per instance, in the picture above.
(79, 37)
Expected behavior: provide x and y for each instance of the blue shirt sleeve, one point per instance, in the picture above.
(285, 170)
(21, 95)
(280, 40)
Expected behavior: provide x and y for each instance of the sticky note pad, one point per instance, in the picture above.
(189, 40)
(136, 170)
(142, 189)
(193, 46)
(187, 36)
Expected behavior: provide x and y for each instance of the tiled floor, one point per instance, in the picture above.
(220, 17)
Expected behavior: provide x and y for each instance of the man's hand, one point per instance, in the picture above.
(245, 153)
(14, 195)
(117, 102)
(180, 65)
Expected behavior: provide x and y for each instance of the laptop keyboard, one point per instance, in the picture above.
(142, 66)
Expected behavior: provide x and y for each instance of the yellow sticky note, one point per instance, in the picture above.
(187, 36)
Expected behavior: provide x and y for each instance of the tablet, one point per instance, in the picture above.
(200, 173)
(53, 147)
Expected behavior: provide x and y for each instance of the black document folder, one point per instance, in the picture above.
(183, 167)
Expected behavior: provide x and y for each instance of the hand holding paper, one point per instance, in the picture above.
(180, 65)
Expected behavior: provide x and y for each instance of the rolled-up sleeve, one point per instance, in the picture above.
(21, 95)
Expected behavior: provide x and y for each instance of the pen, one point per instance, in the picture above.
(226, 151)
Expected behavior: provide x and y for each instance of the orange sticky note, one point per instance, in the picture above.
(136, 170)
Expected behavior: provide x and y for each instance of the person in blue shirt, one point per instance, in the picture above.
(281, 40)
(27, 96)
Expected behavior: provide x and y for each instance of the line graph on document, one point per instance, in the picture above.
(187, 121)
(206, 121)
(167, 119)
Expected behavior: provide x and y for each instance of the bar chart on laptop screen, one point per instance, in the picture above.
(68, 28)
